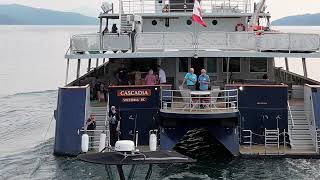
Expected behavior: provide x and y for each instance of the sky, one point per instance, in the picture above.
(277, 8)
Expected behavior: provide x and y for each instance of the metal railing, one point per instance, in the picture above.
(247, 139)
(227, 40)
(164, 41)
(274, 135)
(171, 41)
(317, 140)
(202, 101)
(291, 116)
(95, 43)
(208, 6)
(289, 42)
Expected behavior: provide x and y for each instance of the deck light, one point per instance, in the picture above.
(241, 88)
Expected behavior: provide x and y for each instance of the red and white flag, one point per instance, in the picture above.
(196, 14)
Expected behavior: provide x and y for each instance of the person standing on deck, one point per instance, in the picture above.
(191, 79)
(90, 127)
(122, 76)
(204, 80)
(114, 125)
(114, 29)
(162, 75)
(150, 78)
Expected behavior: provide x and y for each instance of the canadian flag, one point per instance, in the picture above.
(196, 14)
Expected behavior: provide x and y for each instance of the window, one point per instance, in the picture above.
(183, 64)
(259, 65)
(154, 22)
(212, 65)
(234, 65)
(214, 22)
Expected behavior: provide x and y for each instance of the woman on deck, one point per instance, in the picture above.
(150, 78)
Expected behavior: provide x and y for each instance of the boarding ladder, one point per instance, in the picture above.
(247, 138)
(271, 139)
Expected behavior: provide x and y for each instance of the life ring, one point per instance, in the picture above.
(240, 27)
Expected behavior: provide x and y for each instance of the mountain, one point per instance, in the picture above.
(299, 20)
(14, 14)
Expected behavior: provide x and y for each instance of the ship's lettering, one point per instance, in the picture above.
(134, 92)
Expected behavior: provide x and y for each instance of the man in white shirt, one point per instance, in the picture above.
(162, 75)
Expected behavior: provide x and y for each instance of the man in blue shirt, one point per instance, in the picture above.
(204, 80)
(191, 79)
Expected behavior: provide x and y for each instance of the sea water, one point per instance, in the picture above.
(32, 67)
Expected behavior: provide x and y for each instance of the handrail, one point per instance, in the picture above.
(199, 100)
(291, 116)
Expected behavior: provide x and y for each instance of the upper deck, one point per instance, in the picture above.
(173, 6)
(149, 28)
(188, 44)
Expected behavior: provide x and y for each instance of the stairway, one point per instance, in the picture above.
(299, 131)
(125, 26)
(100, 110)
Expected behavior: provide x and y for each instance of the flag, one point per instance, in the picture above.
(196, 14)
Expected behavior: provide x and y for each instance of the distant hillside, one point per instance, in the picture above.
(14, 14)
(299, 20)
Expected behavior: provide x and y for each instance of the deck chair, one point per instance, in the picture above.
(215, 90)
(186, 97)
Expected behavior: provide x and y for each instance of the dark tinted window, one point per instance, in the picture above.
(259, 65)
(234, 65)
(183, 64)
(212, 65)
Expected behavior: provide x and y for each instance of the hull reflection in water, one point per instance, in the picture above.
(199, 144)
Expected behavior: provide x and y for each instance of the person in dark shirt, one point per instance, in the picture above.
(122, 76)
(90, 127)
(114, 29)
(91, 122)
(114, 125)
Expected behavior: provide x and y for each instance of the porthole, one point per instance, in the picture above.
(154, 22)
(189, 22)
(214, 22)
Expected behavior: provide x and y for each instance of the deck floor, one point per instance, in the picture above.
(261, 150)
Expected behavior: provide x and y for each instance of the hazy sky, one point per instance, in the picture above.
(278, 8)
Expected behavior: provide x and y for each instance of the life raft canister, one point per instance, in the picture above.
(240, 27)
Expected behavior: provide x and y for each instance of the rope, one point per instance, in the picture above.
(39, 160)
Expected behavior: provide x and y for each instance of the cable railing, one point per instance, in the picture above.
(278, 138)
(211, 101)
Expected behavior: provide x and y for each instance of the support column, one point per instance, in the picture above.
(304, 64)
(89, 65)
(228, 67)
(78, 68)
(97, 62)
(287, 64)
(67, 71)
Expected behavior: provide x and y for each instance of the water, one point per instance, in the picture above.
(33, 66)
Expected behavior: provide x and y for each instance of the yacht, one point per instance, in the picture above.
(251, 108)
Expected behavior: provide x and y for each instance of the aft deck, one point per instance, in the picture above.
(261, 150)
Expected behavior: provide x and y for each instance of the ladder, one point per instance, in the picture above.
(247, 139)
(271, 138)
